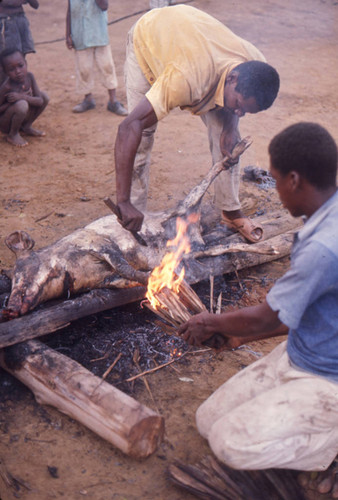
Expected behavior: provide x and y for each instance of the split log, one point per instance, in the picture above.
(51, 319)
(228, 258)
(213, 480)
(63, 383)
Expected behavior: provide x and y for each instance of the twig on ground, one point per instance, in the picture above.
(44, 216)
(212, 279)
(106, 373)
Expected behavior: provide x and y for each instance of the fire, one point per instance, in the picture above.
(164, 276)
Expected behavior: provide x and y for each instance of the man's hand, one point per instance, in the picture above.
(69, 42)
(131, 218)
(198, 329)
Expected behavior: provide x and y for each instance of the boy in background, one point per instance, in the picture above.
(14, 27)
(21, 100)
(87, 33)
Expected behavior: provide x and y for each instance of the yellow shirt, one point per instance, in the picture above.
(186, 55)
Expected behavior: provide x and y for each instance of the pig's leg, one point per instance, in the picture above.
(122, 267)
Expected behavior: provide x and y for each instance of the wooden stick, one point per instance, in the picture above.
(130, 379)
(63, 383)
(106, 373)
(211, 279)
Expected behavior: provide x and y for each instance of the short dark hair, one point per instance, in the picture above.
(8, 52)
(259, 80)
(306, 148)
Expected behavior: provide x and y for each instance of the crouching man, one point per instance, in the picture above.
(282, 411)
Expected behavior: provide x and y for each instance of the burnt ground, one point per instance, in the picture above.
(58, 183)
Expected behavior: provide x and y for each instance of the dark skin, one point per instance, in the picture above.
(14, 89)
(143, 116)
(261, 322)
(15, 6)
(103, 4)
(258, 322)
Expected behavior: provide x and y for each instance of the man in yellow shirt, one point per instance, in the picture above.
(182, 57)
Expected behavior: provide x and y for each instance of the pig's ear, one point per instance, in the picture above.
(19, 242)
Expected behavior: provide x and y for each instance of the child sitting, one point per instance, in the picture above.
(21, 100)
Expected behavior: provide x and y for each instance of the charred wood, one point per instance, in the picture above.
(213, 480)
(63, 383)
(42, 322)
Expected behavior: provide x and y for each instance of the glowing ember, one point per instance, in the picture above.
(164, 276)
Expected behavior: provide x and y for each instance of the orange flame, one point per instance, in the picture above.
(164, 275)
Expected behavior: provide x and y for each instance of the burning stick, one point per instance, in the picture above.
(169, 296)
(176, 306)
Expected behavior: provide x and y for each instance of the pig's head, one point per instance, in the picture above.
(29, 276)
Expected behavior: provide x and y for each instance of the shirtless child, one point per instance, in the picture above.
(21, 100)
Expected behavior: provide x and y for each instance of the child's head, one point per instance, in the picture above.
(309, 150)
(14, 64)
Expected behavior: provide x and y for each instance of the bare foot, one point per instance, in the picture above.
(33, 132)
(17, 140)
(321, 482)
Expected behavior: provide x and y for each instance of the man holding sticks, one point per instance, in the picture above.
(182, 57)
(282, 411)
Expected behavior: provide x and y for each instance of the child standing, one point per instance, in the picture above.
(14, 26)
(21, 100)
(87, 33)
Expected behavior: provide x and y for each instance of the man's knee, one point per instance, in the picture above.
(227, 444)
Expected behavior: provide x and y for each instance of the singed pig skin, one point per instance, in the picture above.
(102, 254)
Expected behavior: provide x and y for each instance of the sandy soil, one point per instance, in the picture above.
(57, 184)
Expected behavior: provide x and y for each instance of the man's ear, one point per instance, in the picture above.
(294, 180)
(233, 77)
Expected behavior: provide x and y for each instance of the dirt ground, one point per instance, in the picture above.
(57, 184)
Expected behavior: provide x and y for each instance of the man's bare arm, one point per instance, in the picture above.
(244, 325)
(127, 141)
(230, 134)
(33, 3)
(103, 4)
(69, 41)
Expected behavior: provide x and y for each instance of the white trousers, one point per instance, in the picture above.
(226, 184)
(271, 415)
(85, 61)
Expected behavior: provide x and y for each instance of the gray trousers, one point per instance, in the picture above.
(226, 184)
(273, 415)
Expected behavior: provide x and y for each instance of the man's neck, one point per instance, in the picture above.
(317, 199)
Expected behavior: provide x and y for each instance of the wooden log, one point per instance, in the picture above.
(44, 321)
(229, 260)
(63, 383)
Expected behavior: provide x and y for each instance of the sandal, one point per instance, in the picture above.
(244, 226)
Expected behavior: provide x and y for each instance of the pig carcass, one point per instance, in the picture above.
(103, 254)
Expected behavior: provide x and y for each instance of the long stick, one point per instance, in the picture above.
(130, 379)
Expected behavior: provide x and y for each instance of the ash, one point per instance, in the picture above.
(133, 333)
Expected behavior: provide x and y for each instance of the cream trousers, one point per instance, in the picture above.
(226, 184)
(84, 64)
(271, 415)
